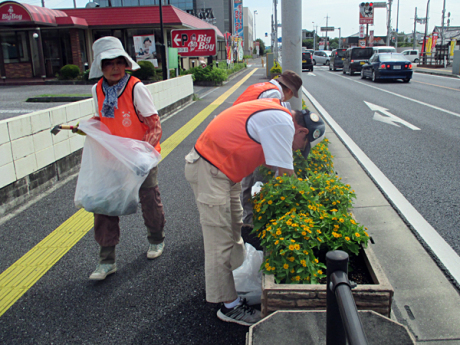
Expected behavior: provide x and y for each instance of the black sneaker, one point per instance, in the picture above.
(242, 314)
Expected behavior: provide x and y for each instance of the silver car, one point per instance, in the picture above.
(321, 57)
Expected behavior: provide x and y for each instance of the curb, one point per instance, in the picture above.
(56, 99)
(438, 73)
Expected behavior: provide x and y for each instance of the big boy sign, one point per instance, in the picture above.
(195, 42)
(10, 13)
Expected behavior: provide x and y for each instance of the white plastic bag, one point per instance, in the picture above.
(256, 188)
(248, 277)
(112, 170)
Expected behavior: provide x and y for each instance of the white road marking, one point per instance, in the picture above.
(390, 117)
(440, 248)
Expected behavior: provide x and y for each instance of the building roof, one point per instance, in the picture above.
(139, 16)
(15, 13)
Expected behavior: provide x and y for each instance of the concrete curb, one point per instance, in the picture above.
(438, 73)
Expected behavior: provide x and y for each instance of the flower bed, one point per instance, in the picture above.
(298, 219)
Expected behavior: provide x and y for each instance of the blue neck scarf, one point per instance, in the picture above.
(111, 96)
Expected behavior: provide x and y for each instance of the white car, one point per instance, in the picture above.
(321, 57)
(412, 55)
(384, 49)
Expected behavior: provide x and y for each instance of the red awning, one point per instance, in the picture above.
(14, 13)
(111, 17)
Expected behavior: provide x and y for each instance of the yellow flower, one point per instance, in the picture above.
(282, 198)
(293, 187)
(281, 238)
(292, 271)
(304, 233)
(320, 272)
(285, 266)
(366, 233)
(278, 232)
(341, 220)
(270, 202)
(293, 241)
(347, 238)
(302, 192)
(297, 278)
(291, 259)
(305, 252)
(357, 235)
(260, 217)
(316, 260)
(319, 239)
(276, 242)
(297, 246)
(291, 247)
(267, 265)
(318, 231)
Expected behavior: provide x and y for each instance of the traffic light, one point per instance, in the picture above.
(366, 9)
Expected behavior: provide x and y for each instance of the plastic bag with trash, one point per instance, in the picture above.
(248, 277)
(112, 170)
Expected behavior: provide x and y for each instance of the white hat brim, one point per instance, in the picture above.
(96, 67)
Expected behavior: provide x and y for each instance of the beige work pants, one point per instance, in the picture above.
(218, 201)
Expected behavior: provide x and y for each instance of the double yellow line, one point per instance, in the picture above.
(25, 272)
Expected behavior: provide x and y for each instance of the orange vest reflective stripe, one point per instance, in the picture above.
(226, 144)
(253, 92)
(126, 122)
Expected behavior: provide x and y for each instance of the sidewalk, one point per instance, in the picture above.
(446, 72)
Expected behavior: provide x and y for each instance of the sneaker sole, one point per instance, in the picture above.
(225, 318)
(91, 277)
(153, 256)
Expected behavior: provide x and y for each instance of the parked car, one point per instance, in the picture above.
(412, 55)
(354, 58)
(337, 57)
(321, 57)
(387, 66)
(307, 62)
(384, 49)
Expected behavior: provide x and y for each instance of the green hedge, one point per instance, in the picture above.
(69, 72)
(146, 71)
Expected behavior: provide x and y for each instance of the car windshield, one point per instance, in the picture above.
(362, 53)
(305, 56)
(392, 57)
(340, 53)
(386, 50)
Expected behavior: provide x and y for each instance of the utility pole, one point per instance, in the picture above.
(397, 22)
(326, 43)
(163, 46)
(426, 31)
(255, 36)
(389, 22)
(291, 12)
(273, 37)
(314, 36)
(415, 30)
(442, 30)
(340, 38)
(275, 50)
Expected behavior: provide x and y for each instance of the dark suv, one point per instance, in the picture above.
(355, 58)
(337, 58)
(306, 61)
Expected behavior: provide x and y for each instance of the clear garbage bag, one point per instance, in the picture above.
(112, 170)
(248, 277)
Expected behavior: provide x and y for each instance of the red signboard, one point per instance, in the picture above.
(366, 13)
(195, 42)
(10, 13)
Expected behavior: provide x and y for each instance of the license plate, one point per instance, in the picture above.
(304, 61)
(362, 62)
(396, 67)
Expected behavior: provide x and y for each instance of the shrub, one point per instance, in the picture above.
(218, 75)
(299, 217)
(85, 76)
(146, 71)
(247, 57)
(276, 69)
(69, 72)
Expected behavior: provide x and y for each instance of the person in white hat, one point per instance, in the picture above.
(125, 106)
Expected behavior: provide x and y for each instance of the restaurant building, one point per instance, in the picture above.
(36, 42)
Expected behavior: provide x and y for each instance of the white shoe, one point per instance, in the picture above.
(102, 271)
(155, 250)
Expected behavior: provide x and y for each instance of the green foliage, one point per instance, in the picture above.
(146, 71)
(297, 217)
(276, 69)
(261, 46)
(172, 73)
(247, 57)
(69, 72)
(308, 43)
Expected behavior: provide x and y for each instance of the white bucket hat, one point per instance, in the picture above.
(108, 47)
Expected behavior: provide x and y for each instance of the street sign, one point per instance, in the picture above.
(366, 13)
(195, 42)
(380, 4)
(362, 43)
(327, 28)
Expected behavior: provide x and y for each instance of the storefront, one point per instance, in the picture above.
(36, 41)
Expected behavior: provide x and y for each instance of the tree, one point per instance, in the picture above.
(261, 46)
(308, 43)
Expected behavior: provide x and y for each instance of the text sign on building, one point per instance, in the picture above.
(195, 42)
(13, 13)
(238, 17)
(327, 28)
(366, 13)
(361, 31)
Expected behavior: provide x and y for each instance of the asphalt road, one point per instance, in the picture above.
(423, 164)
(146, 302)
(13, 97)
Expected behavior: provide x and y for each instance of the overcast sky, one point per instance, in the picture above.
(341, 13)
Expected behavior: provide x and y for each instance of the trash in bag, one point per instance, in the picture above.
(112, 170)
(256, 188)
(248, 277)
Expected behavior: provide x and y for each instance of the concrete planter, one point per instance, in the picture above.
(376, 296)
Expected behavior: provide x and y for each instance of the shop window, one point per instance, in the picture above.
(15, 47)
(82, 38)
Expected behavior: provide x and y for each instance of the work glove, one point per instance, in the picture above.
(76, 130)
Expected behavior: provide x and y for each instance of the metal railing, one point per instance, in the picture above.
(342, 317)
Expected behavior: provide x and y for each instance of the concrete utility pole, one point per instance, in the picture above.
(275, 50)
(314, 36)
(326, 43)
(340, 37)
(397, 22)
(389, 22)
(426, 30)
(292, 41)
(443, 16)
(415, 30)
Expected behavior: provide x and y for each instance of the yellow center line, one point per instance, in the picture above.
(24, 273)
(444, 87)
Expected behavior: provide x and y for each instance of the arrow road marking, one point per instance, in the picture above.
(390, 117)
(176, 39)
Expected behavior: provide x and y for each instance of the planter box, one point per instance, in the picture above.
(377, 296)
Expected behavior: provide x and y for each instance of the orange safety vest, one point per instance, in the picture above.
(253, 92)
(226, 144)
(126, 122)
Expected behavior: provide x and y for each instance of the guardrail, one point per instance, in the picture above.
(342, 317)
